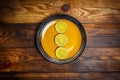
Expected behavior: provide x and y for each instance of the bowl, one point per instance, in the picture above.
(43, 26)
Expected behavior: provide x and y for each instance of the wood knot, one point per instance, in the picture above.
(21, 0)
(8, 62)
(65, 7)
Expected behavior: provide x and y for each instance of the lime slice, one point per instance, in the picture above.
(61, 53)
(61, 40)
(61, 27)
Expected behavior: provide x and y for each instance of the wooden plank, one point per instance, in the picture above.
(60, 76)
(24, 35)
(29, 59)
(29, 11)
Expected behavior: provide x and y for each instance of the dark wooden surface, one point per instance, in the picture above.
(21, 60)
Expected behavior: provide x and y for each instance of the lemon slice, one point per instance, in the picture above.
(61, 40)
(61, 53)
(61, 27)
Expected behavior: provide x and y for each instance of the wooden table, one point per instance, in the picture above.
(21, 60)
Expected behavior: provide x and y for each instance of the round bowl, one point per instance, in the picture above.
(55, 17)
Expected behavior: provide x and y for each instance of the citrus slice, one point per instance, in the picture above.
(61, 40)
(61, 53)
(61, 27)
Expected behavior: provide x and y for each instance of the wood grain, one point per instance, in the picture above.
(21, 60)
(29, 11)
(60, 76)
(24, 35)
(30, 60)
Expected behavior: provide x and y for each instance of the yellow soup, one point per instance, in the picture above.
(72, 32)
